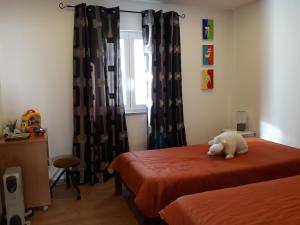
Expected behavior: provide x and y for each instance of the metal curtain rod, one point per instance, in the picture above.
(62, 6)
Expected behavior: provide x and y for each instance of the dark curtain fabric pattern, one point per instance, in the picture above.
(161, 35)
(100, 131)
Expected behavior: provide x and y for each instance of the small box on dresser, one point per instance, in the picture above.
(246, 133)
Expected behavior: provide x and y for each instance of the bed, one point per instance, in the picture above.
(158, 177)
(275, 202)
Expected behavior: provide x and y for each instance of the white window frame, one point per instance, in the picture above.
(131, 106)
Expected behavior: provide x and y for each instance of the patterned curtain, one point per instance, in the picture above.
(100, 131)
(161, 34)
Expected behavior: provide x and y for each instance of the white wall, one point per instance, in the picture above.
(36, 68)
(267, 68)
(1, 108)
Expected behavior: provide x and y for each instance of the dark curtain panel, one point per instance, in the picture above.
(161, 34)
(100, 131)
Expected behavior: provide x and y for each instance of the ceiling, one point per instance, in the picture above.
(221, 4)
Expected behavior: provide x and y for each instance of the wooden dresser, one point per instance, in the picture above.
(32, 156)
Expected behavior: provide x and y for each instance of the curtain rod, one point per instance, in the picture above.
(62, 6)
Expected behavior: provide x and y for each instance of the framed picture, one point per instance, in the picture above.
(207, 81)
(208, 55)
(207, 29)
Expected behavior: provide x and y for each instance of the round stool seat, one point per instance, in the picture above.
(66, 162)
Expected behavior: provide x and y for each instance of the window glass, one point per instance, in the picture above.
(134, 79)
(139, 73)
(123, 71)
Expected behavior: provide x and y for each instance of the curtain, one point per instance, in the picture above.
(161, 36)
(100, 131)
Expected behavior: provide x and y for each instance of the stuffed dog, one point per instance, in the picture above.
(228, 143)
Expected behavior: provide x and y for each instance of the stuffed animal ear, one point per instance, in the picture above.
(211, 142)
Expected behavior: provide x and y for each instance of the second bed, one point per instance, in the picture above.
(275, 202)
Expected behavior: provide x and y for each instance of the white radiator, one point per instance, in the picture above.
(13, 194)
(1, 212)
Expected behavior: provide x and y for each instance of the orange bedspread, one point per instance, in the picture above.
(275, 202)
(158, 177)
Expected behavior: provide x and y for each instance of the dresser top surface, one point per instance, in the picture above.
(32, 139)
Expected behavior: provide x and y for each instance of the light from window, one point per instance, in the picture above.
(134, 78)
(123, 69)
(139, 73)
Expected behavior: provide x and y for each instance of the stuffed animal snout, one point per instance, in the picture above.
(216, 149)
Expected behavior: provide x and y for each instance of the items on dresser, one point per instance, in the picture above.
(14, 137)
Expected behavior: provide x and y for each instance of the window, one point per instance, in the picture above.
(134, 79)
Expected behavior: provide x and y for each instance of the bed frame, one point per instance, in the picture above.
(129, 197)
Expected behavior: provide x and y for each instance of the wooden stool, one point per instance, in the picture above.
(67, 162)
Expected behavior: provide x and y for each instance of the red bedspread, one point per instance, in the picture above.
(158, 177)
(275, 202)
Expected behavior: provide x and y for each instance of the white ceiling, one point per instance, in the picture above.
(221, 4)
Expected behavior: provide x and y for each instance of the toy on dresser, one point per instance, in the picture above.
(31, 123)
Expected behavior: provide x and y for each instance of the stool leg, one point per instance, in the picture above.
(57, 179)
(68, 177)
(75, 184)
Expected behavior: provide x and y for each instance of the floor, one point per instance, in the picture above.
(98, 206)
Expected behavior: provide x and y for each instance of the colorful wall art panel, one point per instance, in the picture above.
(207, 81)
(208, 55)
(207, 29)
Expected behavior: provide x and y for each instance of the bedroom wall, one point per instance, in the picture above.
(36, 68)
(266, 49)
(0, 107)
(1, 69)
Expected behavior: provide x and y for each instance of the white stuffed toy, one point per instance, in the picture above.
(228, 143)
